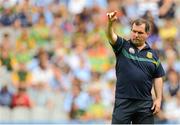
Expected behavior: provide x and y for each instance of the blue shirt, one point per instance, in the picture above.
(5, 98)
(135, 70)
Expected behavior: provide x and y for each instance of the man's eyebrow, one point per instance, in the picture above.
(137, 31)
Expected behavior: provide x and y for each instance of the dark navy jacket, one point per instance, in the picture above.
(135, 70)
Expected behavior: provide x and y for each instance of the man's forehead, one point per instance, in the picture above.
(138, 27)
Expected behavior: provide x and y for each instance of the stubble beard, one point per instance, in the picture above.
(138, 43)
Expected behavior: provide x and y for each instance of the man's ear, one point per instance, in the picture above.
(148, 33)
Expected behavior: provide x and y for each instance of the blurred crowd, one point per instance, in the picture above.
(55, 54)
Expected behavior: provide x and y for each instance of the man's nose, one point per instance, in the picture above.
(136, 34)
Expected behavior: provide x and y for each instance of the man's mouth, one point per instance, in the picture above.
(137, 39)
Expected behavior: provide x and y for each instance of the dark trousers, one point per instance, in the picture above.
(127, 111)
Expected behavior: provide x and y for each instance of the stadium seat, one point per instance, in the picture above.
(58, 116)
(40, 115)
(4, 114)
(20, 115)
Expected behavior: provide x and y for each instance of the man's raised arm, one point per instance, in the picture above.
(112, 37)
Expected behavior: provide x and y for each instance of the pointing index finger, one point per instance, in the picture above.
(114, 13)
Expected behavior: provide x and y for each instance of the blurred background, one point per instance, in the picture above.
(56, 65)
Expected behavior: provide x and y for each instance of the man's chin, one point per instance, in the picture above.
(137, 44)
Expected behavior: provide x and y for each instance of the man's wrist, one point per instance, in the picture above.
(159, 98)
(110, 23)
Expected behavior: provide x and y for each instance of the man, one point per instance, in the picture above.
(137, 68)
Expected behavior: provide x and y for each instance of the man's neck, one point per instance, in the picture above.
(141, 47)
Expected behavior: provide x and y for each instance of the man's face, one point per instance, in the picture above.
(138, 35)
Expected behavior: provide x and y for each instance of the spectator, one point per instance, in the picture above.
(5, 96)
(22, 77)
(170, 101)
(8, 17)
(168, 32)
(57, 83)
(76, 101)
(24, 39)
(96, 111)
(172, 85)
(6, 58)
(21, 99)
(40, 32)
(76, 7)
(43, 72)
(166, 9)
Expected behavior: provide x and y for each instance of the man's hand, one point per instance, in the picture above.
(112, 17)
(156, 106)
